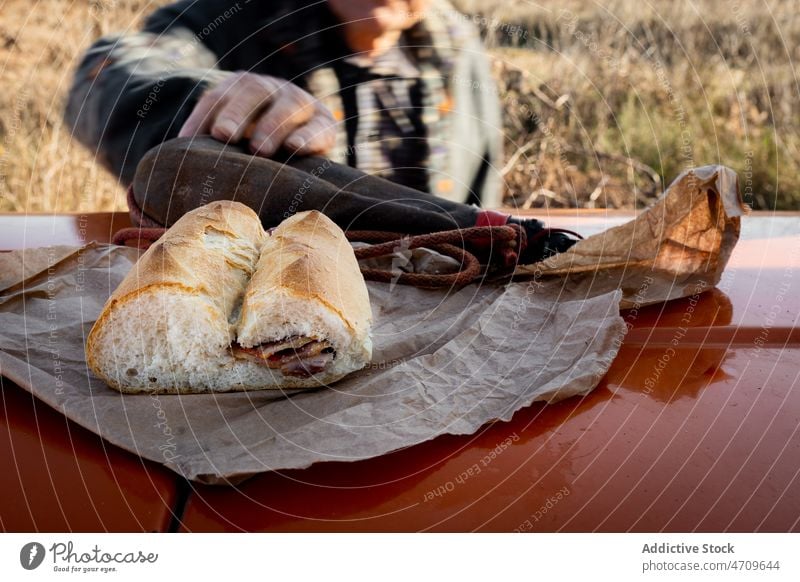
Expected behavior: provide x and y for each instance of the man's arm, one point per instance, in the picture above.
(133, 92)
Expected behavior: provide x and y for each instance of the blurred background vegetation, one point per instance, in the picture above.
(604, 102)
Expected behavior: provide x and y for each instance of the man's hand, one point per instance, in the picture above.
(269, 112)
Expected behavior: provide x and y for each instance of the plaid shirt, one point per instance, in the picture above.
(424, 114)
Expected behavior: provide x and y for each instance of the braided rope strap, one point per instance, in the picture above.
(140, 237)
(507, 240)
(449, 243)
(499, 245)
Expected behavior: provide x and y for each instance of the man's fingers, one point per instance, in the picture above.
(291, 109)
(269, 112)
(244, 103)
(201, 117)
(315, 137)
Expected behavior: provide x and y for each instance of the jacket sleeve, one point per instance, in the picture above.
(133, 92)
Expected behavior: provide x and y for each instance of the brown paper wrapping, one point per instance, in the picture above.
(673, 249)
(444, 363)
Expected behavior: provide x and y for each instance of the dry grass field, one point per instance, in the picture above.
(609, 99)
(604, 101)
(41, 168)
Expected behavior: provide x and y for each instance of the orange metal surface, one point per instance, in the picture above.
(57, 476)
(699, 436)
(703, 436)
(717, 453)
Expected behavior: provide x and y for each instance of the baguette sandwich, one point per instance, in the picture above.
(219, 305)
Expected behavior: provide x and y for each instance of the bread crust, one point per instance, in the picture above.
(180, 258)
(220, 252)
(309, 257)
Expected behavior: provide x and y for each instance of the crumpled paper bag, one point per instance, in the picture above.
(674, 249)
(444, 363)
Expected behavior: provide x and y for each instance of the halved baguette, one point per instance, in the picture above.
(205, 308)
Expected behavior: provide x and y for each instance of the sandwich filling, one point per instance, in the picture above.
(297, 356)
